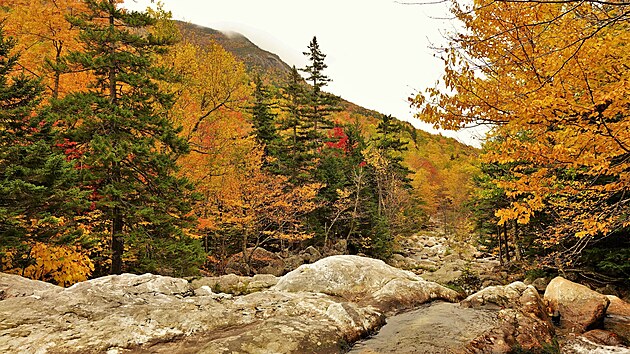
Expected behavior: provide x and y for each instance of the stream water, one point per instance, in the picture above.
(438, 327)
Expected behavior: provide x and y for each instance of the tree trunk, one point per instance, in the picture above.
(117, 242)
(517, 242)
(507, 243)
(499, 238)
(57, 70)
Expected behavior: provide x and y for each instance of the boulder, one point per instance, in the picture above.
(157, 314)
(12, 285)
(361, 279)
(522, 319)
(261, 261)
(580, 308)
(310, 255)
(618, 317)
(260, 282)
(448, 273)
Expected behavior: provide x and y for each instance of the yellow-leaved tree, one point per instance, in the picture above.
(551, 80)
(45, 38)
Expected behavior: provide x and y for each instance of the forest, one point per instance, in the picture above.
(130, 142)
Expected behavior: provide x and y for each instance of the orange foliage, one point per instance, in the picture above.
(44, 38)
(553, 81)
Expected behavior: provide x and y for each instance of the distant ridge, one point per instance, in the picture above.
(253, 56)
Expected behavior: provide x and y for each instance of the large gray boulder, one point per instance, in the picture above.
(365, 280)
(580, 308)
(151, 313)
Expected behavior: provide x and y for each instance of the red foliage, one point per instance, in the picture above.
(342, 142)
(70, 149)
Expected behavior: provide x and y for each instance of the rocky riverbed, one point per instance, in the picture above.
(317, 308)
(329, 306)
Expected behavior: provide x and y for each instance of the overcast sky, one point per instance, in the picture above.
(378, 51)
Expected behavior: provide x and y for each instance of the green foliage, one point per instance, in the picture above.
(609, 257)
(389, 132)
(318, 104)
(38, 192)
(177, 257)
(263, 119)
(128, 144)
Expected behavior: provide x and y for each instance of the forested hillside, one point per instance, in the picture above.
(134, 143)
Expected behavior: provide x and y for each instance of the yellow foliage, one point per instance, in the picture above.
(552, 81)
(64, 265)
(44, 37)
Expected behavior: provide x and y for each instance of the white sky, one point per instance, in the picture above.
(378, 51)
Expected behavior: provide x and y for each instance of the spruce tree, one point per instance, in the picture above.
(296, 155)
(308, 109)
(37, 182)
(389, 142)
(263, 119)
(130, 145)
(319, 104)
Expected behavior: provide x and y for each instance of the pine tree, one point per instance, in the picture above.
(263, 119)
(37, 182)
(130, 145)
(298, 146)
(319, 104)
(308, 108)
(391, 146)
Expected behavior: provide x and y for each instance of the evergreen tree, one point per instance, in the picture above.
(389, 142)
(319, 104)
(263, 119)
(130, 145)
(293, 97)
(297, 155)
(37, 183)
(308, 108)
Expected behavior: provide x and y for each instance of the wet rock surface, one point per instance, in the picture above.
(435, 328)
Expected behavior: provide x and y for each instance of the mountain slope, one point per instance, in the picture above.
(237, 44)
(443, 166)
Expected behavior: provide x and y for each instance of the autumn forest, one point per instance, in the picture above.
(131, 142)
